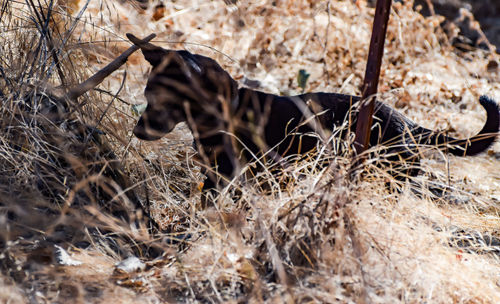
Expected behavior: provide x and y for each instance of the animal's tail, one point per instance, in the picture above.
(478, 143)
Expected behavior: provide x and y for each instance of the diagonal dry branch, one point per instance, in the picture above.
(80, 89)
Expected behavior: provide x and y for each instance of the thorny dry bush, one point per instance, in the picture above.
(73, 176)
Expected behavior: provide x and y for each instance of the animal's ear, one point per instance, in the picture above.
(154, 54)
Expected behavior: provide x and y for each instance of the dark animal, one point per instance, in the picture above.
(232, 126)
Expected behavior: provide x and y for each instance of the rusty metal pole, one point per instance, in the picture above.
(372, 74)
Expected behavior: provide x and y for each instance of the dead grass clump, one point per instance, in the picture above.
(60, 182)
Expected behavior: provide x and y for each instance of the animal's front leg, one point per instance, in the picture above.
(221, 170)
(208, 192)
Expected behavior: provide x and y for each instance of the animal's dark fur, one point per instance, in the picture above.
(193, 88)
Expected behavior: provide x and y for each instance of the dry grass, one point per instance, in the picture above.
(313, 236)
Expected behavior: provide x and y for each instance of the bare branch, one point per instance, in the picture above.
(98, 77)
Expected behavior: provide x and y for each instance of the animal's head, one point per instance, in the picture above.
(181, 86)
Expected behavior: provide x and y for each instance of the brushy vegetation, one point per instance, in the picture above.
(72, 175)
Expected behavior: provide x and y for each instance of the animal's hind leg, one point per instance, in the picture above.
(401, 166)
(409, 167)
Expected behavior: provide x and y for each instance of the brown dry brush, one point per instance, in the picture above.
(60, 180)
(63, 181)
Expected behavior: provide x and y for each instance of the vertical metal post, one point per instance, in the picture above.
(372, 74)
